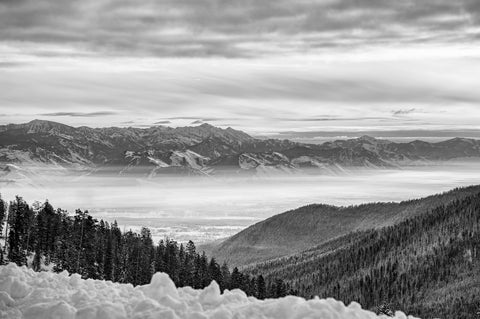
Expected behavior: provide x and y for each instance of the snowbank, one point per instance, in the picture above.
(27, 294)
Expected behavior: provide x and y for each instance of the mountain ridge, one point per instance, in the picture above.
(300, 229)
(427, 264)
(206, 149)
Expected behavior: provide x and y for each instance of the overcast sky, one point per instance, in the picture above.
(258, 65)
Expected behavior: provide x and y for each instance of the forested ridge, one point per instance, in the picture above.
(43, 237)
(427, 265)
(306, 227)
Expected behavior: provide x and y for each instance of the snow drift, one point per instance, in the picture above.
(28, 294)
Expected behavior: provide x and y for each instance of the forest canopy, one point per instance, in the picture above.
(43, 237)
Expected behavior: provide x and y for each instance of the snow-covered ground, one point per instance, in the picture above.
(27, 294)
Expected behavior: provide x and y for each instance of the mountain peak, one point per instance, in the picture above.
(46, 122)
(38, 121)
(367, 138)
(43, 126)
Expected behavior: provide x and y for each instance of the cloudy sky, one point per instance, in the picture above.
(258, 65)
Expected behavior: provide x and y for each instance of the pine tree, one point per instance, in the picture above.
(261, 288)
(182, 273)
(89, 253)
(190, 248)
(204, 275)
(117, 263)
(3, 211)
(214, 272)
(235, 279)
(19, 220)
(146, 256)
(160, 265)
(108, 269)
(37, 259)
(171, 259)
(225, 276)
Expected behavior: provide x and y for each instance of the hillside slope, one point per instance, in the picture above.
(309, 226)
(428, 265)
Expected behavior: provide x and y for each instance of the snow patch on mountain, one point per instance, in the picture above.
(41, 295)
(188, 158)
(157, 162)
(253, 160)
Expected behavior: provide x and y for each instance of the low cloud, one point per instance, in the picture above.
(327, 119)
(8, 64)
(403, 111)
(196, 118)
(79, 114)
(436, 93)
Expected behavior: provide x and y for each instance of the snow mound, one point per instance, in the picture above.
(40, 295)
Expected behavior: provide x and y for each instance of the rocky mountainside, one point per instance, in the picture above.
(309, 226)
(204, 149)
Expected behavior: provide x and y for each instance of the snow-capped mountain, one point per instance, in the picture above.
(203, 149)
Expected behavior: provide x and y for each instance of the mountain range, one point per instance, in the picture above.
(203, 150)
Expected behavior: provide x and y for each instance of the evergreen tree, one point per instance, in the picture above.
(3, 211)
(160, 265)
(110, 251)
(146, 257)
(225, 276)
(235, 279)
(214, 272)
(19, 221)
(261, 289)
(190, 249)
(204, 275)
(117, 248)
(183, 277)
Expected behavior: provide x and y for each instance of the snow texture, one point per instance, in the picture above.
(40, 295)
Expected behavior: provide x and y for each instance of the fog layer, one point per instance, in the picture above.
(204, 209)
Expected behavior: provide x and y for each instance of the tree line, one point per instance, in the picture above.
(43, 237)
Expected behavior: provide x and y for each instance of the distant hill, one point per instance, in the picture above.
(428, 265)
(204, 150)
(309, 226)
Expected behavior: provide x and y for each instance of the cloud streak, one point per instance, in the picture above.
(440, 94)
(79, 114)
(227, 28)
(404, 111)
